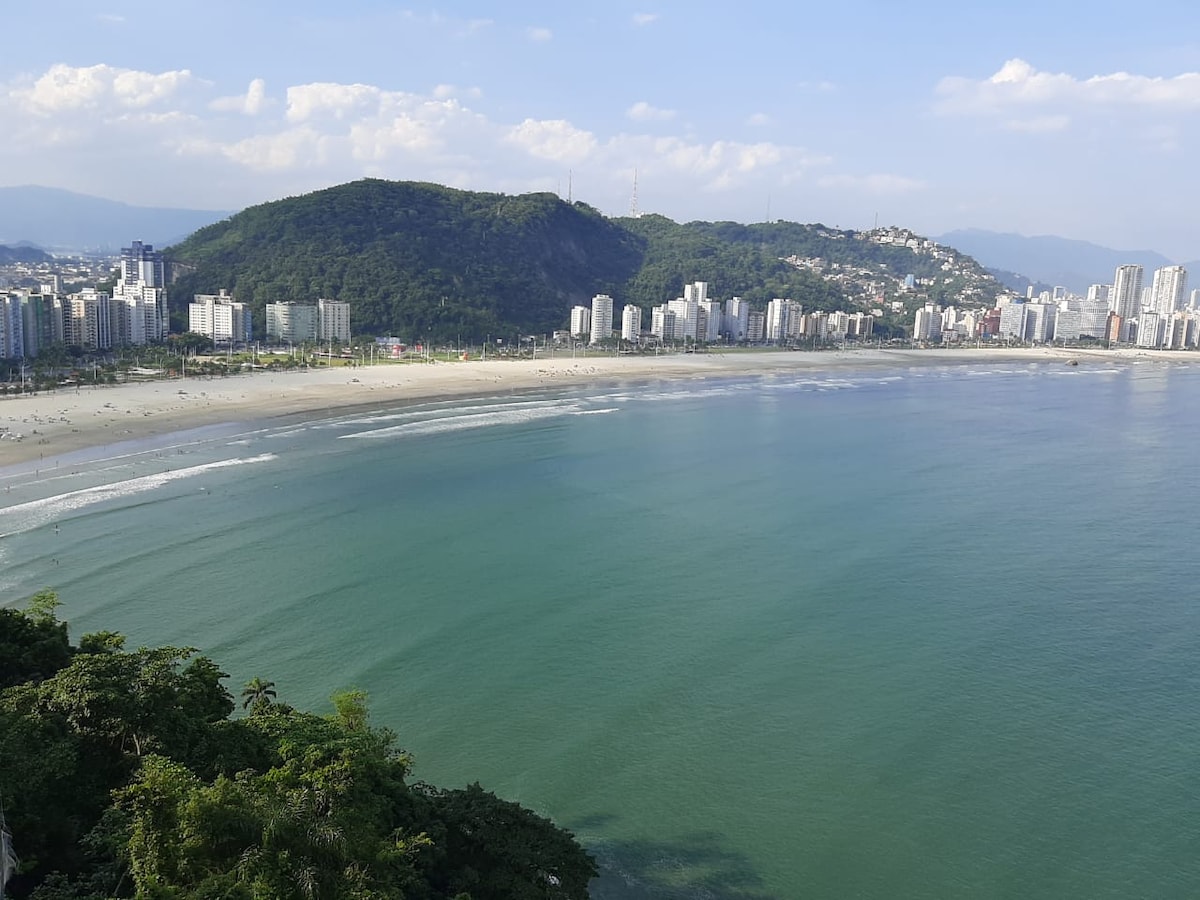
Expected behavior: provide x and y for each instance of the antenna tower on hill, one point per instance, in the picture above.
(634, 212)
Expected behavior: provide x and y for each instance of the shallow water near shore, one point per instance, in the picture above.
(911, 632)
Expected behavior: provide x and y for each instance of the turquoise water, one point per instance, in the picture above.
(925, 632)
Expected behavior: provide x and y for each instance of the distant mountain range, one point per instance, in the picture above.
(1049, 260)
(64, 221)
(23, 253)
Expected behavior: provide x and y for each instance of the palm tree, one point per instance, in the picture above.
(258, 694)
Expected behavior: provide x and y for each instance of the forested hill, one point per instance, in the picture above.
(416, 259)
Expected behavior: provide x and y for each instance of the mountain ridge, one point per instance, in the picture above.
(66, 221)
(424, 260)
(1050, 259)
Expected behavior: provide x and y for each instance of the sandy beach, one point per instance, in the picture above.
(38, 429)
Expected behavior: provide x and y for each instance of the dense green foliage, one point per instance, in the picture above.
(123, 774)
(422, 260)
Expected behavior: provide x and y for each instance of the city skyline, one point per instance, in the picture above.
(1027, 118)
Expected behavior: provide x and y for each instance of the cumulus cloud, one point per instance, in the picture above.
(644, 112)
(1018, 85)
(253, 102)
(539, 35)
(642, 18)
(555, 139)
(327, 132)
(64, 88)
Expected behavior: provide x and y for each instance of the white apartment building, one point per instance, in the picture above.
(292, 323)
(602, 319)
(1168, 292)
(709, 328)
(737, 319)
(687, 317)
(662, 323)
(1125, 299)
(631, 322)
(927, 323)
(140, 297)
(220, 317)
(581, 321)
(780, 313)
(333, 321)
(87, 321)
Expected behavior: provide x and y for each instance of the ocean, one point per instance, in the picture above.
(883, 633)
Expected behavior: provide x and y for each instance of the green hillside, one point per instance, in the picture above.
(422, 260)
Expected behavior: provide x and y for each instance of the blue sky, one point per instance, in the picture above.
(1070, 118)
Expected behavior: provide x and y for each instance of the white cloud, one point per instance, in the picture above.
(110, 18)
(307, 101)
(64, 88)
(539, 35)
(872, 184)
(644, 112)
(555, 139)
(641, 19)
(253, 102)
(1018, 84)
(224, 149)
(758, 120)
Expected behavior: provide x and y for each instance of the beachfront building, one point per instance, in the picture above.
(631, 322)
(662, 323)
(1168, 292)
(756, 327)
(292, 323)
(12, 327)
(708, 325)
(780, 313)
(333, 321)
(41, 321)
(220, 317)
(737, 319)
(927, 322)
(1125, 298)
(140, 314)
(87, 320)
(602, 319)
(581, 321)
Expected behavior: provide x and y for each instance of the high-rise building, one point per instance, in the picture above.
(333, 321)
(88, 321)
(631, 322)
(1168, 292)
(737, 319)
(140, 296)
(291, 323)
(1125, 298)
(12, 327)
(780, 313)
(581, 321)
(710, 331)
(602, 319)
(220, 317)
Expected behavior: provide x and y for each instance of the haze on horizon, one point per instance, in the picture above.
(1037, 118)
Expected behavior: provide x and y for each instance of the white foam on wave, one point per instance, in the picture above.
(597, 412)
(35, 513)
(426, 413)
(472, 420)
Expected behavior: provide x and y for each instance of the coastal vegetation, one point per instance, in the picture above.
(422, 260)
(126, 773)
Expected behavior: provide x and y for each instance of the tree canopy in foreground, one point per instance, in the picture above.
(122, 774)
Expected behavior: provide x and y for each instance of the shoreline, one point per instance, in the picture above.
(70, 423)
